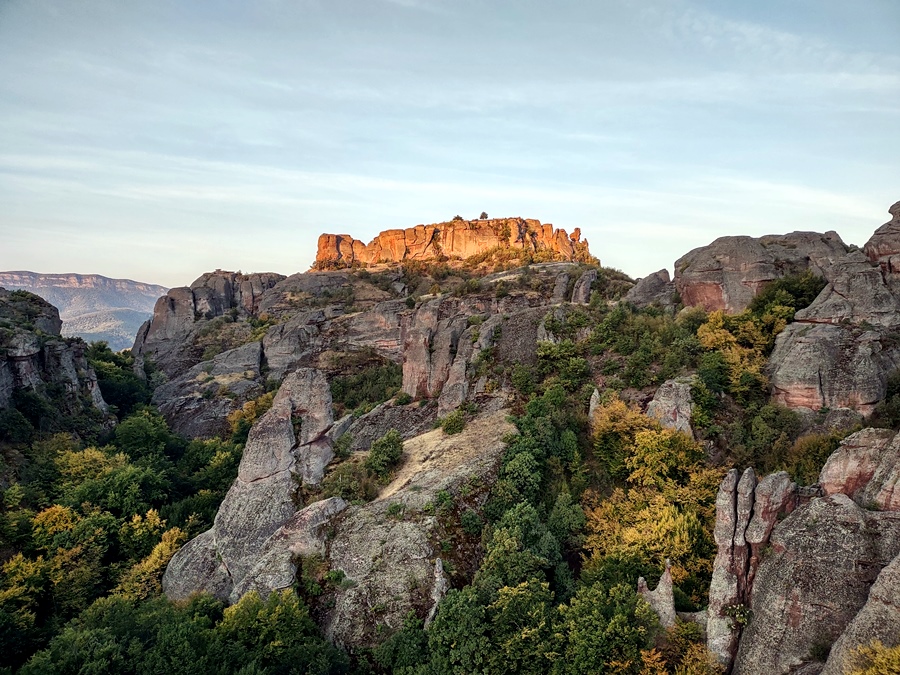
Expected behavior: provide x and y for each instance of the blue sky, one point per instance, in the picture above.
(158, 140)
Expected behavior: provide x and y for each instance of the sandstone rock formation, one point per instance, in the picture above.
(212, 295)
(258, 515)
(746, 513)
(866, 468)
(729, 272)
(661, 598)
(653, 289)
(879, 619)
(392, 563)
(462, 238)
(883, 246)
(815, 580)
(840, 350)
(672, 405)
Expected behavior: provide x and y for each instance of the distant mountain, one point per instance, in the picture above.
(91, 306)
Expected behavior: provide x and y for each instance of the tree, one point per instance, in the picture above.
(483, 215)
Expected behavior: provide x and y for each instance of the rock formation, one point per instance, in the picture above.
(34, 357)
(815, 580)
(729, 272)
(661, 598)
(458, 238)
(840, 350)
(672, 405)
(259, 513)
(883, 246)
(746, 513)
(653, 289)
(826, 574)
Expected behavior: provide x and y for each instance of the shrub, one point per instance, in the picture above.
(454, 423)
(385, 454)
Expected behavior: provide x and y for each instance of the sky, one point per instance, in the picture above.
(159, 140)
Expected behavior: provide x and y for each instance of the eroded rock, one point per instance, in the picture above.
(673, 404)
(866, 468)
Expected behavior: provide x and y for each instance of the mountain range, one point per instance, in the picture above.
(92, 306)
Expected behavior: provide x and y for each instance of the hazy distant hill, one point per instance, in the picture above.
(91, 306)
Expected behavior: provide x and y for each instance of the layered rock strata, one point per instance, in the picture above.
(459, 238)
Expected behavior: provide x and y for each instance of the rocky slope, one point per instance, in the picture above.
(91, 306)
(455, 239)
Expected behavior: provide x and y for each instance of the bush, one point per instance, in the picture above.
(403, 398)
(454, 423)
(385, 454)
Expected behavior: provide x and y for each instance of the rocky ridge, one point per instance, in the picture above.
(455, 239)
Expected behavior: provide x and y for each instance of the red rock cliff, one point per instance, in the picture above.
(459, 238)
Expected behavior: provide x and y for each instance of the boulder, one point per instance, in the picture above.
(728, 273)
(653, 289)
(672, 405)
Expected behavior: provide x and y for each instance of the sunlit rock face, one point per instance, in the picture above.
(458, 238)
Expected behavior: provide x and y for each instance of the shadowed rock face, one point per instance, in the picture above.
(461, 239)
(258, 518)
(727, 274)
(33, 355)
(654, 289)
(815, 580)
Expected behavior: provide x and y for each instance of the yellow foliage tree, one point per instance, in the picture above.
(876, 659)
(144, 579)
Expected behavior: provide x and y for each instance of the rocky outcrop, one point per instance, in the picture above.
(163, 338)
(673, 404)
(729, 272)
(198, 402)
(813, 582)
(459, 238)
(654, 289)
(34, 357)
(661, 598)
(392, 562)
(840, 350)
(866, 467)
(259, 514)
(883, 246)
(581, 293)
(746, 513)
(879, 619)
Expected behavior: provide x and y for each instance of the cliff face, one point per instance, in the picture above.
(456, 239)
(35, 358)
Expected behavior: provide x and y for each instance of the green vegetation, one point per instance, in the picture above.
(365, 380)
(876, 659)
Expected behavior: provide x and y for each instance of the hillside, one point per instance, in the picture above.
(91, 306)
